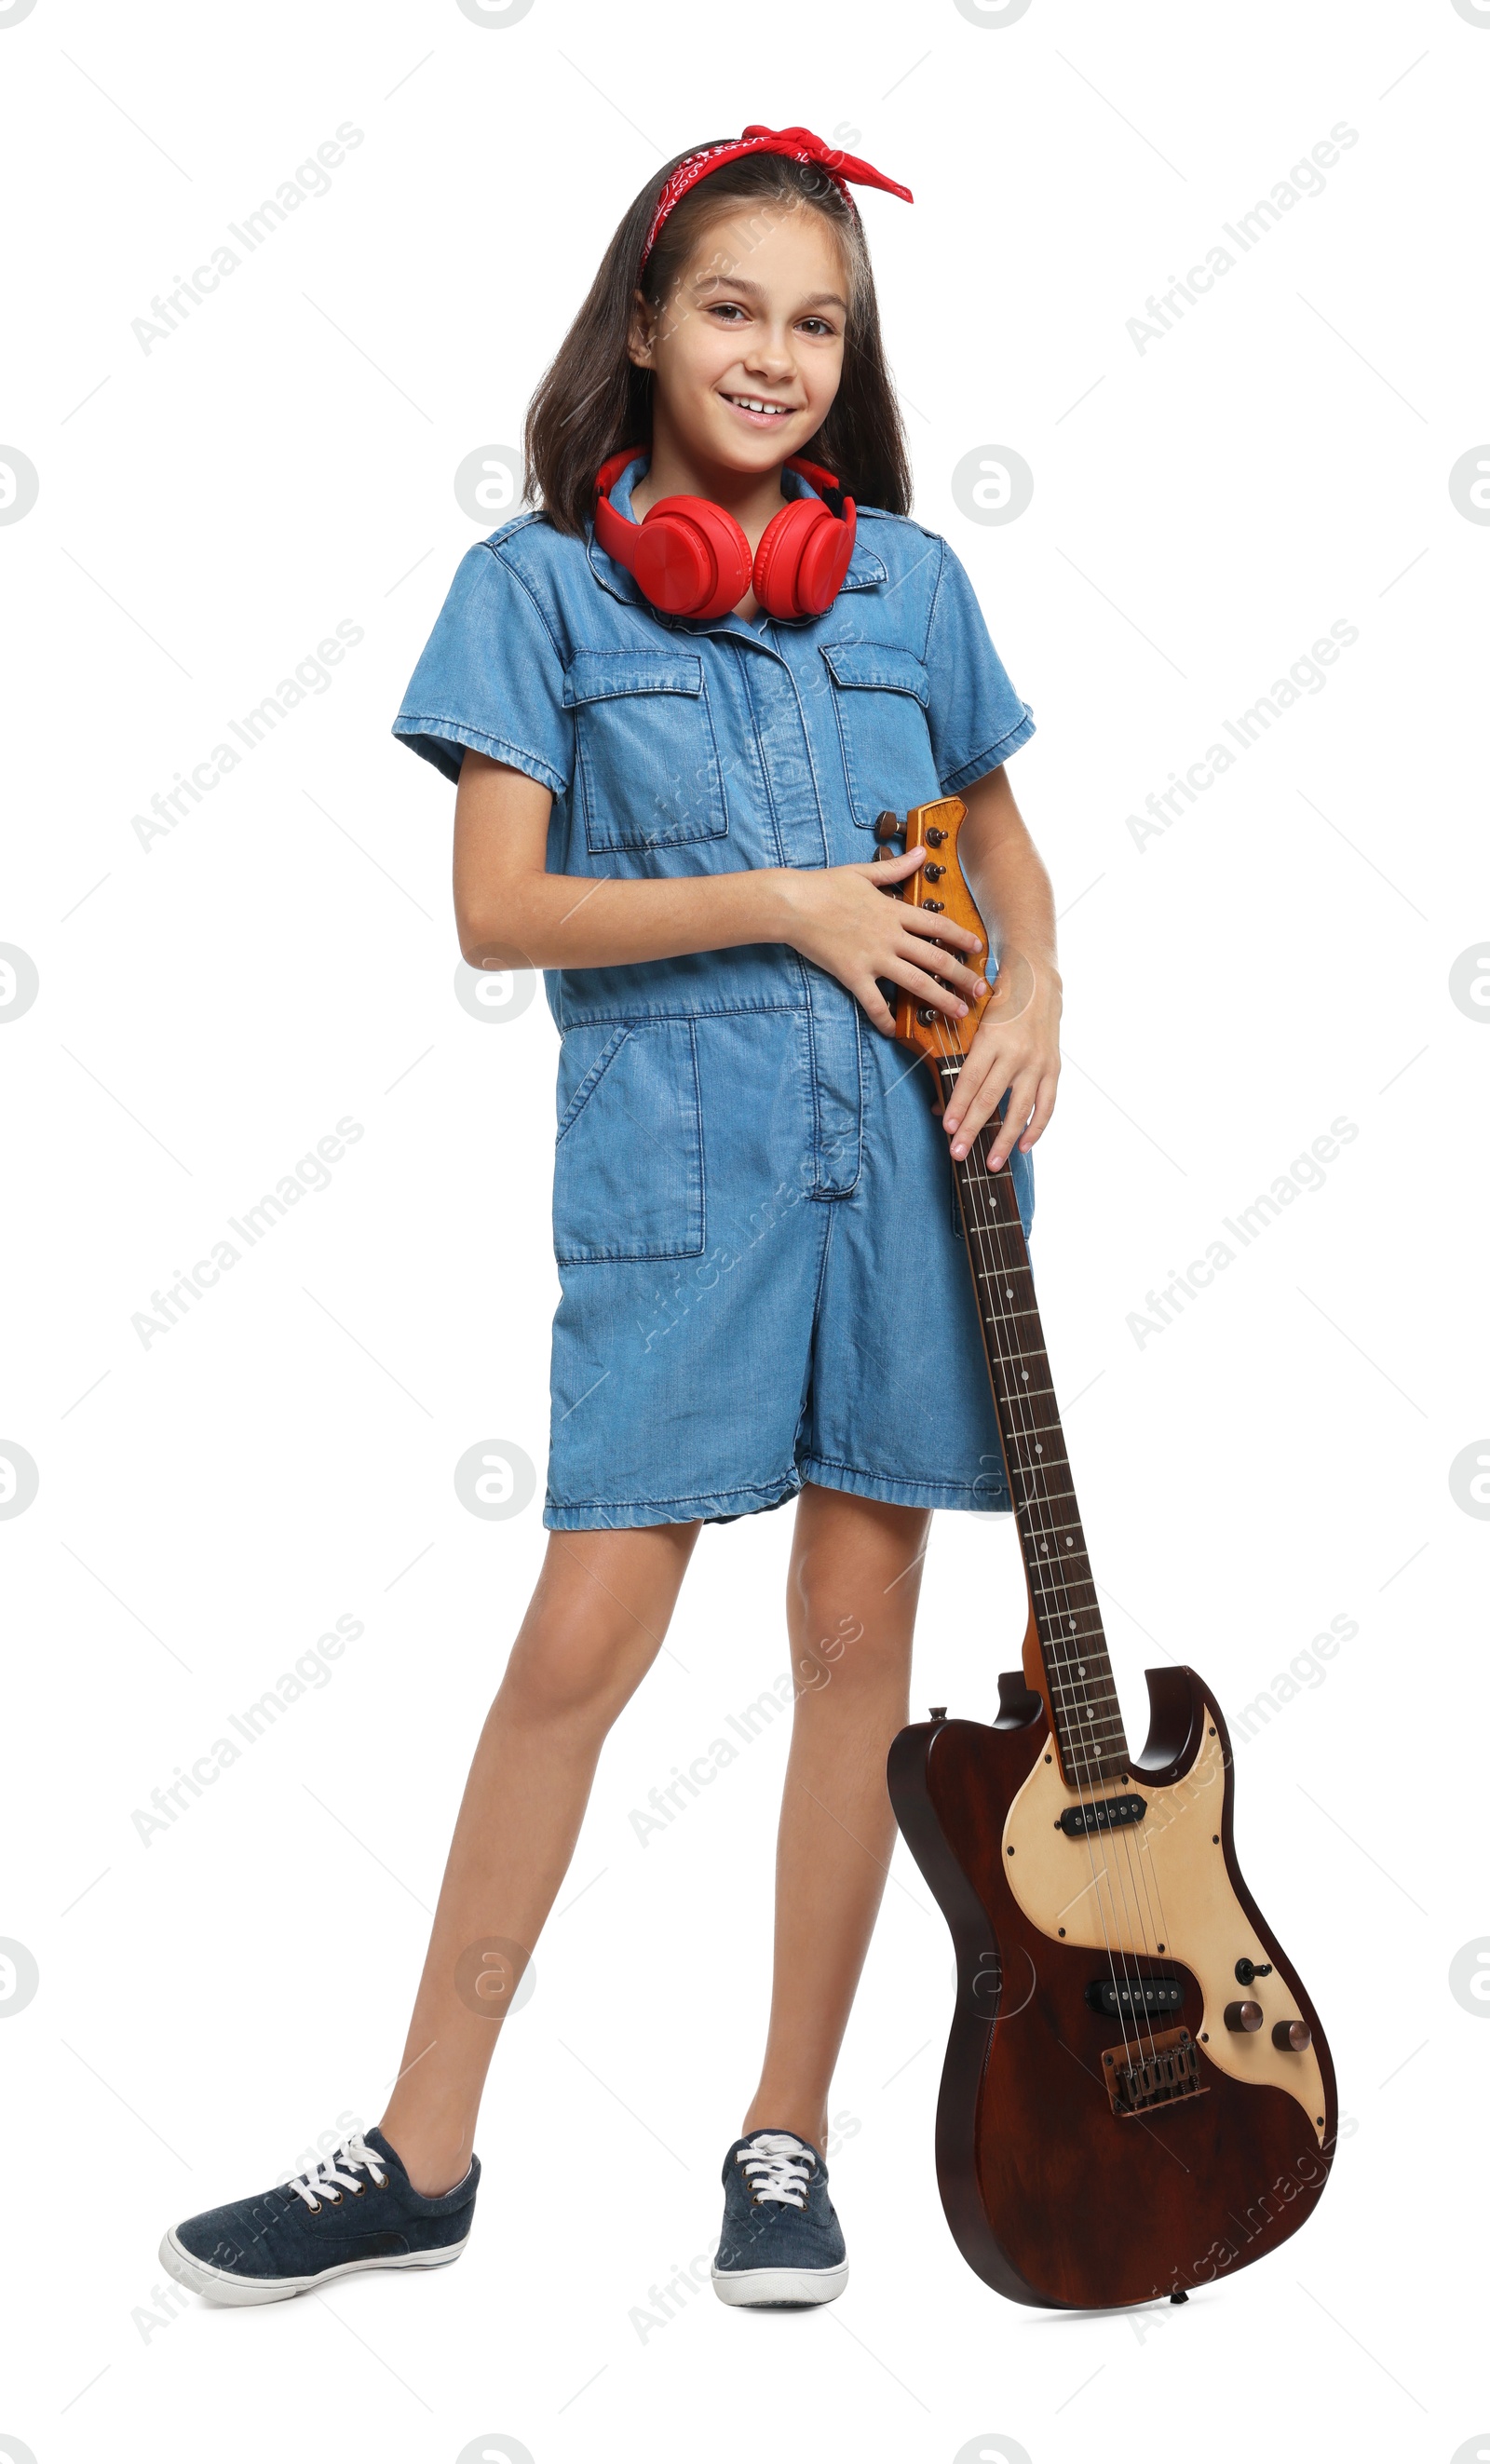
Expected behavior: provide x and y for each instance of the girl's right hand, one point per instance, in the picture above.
(841, 919)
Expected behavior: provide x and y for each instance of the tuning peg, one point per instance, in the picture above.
(889, 826)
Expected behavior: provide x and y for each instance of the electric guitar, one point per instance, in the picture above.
(1137, 2098)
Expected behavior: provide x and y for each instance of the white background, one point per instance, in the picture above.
(1279, 1454)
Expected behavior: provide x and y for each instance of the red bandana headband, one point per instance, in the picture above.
(798, 143)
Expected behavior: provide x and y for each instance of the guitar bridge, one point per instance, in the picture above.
(1166, 2071)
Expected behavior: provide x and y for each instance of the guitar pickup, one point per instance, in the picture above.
(1119, 2000)
(1108, 1814)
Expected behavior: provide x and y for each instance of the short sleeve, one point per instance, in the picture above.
(976, 718)
(490, 676)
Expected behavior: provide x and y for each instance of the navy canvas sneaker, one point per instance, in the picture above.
(782, 2246)
(352, 2210)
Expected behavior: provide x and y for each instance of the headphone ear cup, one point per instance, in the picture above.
(778, 557)
(802, 558)
(825, 562)
(691, 557)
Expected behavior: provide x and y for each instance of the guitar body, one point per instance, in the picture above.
(1053, 2198)
(1137, 2098)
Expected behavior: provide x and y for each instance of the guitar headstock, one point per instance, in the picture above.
(937, 885)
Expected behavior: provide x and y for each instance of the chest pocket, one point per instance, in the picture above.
(881, 695)
(645, 759)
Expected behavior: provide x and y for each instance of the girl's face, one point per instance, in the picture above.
(747, 356)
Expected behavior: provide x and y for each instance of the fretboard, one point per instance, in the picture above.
(1083, 1702)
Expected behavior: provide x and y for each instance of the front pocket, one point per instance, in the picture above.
(628, 1158)
(881, 694)
(647, 763)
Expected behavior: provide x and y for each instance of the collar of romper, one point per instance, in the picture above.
(865, 569)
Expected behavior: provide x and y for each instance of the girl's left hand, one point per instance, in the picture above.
(1017, 1046)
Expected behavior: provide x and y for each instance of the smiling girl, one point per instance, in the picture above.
(674, 702)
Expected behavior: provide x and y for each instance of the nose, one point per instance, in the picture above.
(769, 355)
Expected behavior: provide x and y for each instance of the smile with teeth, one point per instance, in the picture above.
(760, 410)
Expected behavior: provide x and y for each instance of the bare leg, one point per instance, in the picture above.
(593, 1628)
(851, 1601)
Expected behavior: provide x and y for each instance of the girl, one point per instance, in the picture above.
(673, 703)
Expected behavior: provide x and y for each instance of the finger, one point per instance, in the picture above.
(926, 988)
(889, 868)
(876, 1010)
(977, 1099)
(1039, 1118)
(919, 919)
(1017, 1112)
(955, 971)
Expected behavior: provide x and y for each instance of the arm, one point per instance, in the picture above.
(1018, 1042)
(511, 912)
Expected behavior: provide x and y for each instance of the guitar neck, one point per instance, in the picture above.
(1067, 1622)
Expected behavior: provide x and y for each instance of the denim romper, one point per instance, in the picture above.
(764, 1278)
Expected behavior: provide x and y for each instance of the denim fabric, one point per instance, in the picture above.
(277, 2235)
(765, 2233)
(764, 1278)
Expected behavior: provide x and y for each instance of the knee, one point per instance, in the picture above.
(583, 1678)
(842, 1651)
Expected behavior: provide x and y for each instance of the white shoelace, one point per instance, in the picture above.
(778, 2166)
(339, 2172)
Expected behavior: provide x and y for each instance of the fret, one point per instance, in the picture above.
(1042, 1570)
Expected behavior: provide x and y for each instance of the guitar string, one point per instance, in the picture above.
(1134, 1897)
(952, 1056)
(1126, 1899)
(1125, 1910)
(1037, 1504)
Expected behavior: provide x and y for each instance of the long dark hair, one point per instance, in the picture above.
(593, 400)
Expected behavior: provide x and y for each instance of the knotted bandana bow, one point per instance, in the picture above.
(800, 145)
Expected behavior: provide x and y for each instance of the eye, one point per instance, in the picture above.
(817, 327)
(726, 308)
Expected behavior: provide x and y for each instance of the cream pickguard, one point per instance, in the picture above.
(1162, 1881)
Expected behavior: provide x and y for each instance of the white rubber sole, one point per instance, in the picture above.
(779, 2288)
(247, 2292)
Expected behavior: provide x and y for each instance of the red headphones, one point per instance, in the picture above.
(692, 559)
